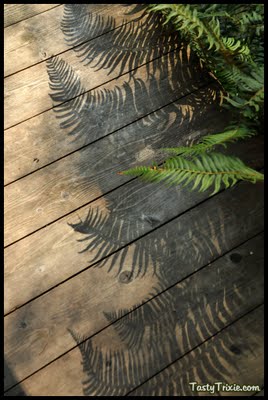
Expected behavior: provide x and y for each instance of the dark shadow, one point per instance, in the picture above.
(79, 24)
(99, 112)
(148, 335)
(11, 380)
(167, 327)
(137, 208)
(214, 361)
(132, 43)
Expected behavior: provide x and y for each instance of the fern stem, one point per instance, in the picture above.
(226, 54)
(204, 172)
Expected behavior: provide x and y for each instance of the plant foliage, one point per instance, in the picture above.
(228, 39)
(204, 170)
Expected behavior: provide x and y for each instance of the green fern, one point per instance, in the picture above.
(208, 143)
(228, 38)
(204, 171)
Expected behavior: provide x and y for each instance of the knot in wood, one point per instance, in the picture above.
(65, 195)
(236, 257)
(125, 277)
(153, 220)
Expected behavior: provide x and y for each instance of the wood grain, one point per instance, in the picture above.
(41, 140)
(40, 37)
(59, 188)
(81, 270)
(244, 367)
(189, 313)
(131, 206)
(27, 90)
(14, 13)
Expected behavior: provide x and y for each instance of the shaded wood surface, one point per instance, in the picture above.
(40, 37)
(233, 355)
(57, 314)
(28, 89)
(39, 141)
(177, 320)
(137, 281)
(43, 197)
(46, 251)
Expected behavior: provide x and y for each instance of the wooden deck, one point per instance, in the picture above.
(113, 286)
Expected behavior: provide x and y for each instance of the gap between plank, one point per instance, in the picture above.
(120, 248)
(81, 94)
(195, 347)
(141, 305)
(108, 134)
(24, 19)
(71, 48)
(68, 49)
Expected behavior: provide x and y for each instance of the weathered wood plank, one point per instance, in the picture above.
(114, 53)
(226, 220)
(69, 183)
(173, 323)
(14, 13)
(242, 341)
(131, 213)
(40, 140)
(36, 39)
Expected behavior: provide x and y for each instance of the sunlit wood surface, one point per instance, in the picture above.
(114, 286)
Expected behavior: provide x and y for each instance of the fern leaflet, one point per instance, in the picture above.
(205, 170)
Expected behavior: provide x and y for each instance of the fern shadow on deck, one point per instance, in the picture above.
(149, 287)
